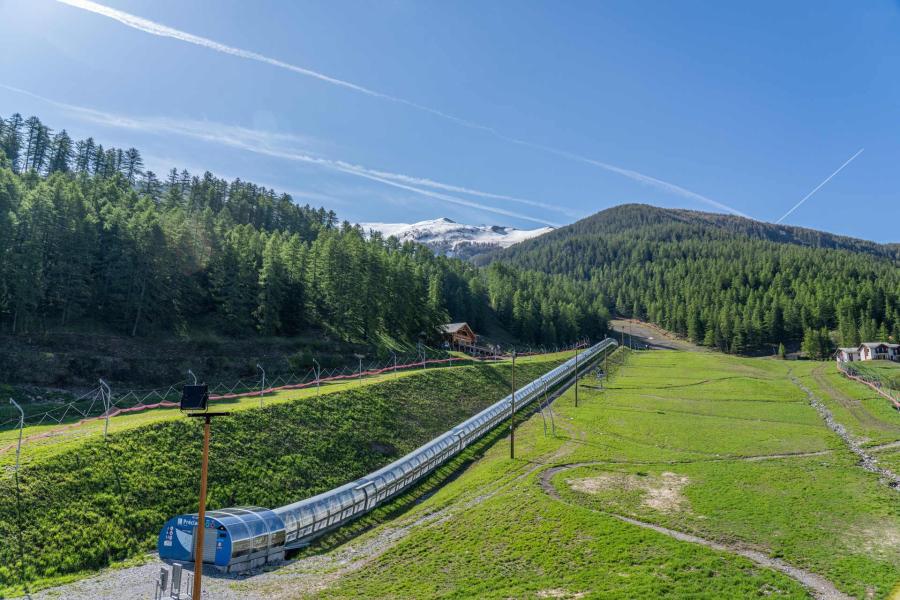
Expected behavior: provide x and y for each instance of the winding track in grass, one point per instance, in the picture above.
(820, 587)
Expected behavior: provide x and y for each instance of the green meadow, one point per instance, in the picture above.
(723, 448)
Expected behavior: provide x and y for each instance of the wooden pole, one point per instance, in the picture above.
(201, 515)
(512, 411)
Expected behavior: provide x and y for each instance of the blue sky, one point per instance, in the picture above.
(517, 113)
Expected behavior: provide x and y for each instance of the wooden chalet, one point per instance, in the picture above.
(459, 334)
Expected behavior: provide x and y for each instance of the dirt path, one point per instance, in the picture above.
(888, 446)
(646, 334)
(820, 587)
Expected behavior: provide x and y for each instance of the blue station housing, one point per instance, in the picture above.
(236, 539)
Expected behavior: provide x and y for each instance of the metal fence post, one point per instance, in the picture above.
(318, 374)
(262, 385)
(106, 393)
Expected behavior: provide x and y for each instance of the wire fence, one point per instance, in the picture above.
(875, 383)
(102, 402)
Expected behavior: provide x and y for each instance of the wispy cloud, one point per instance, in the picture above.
(818, 187)
(161, 30)
(273, 145)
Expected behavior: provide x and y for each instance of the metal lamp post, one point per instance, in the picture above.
(195, 398)
(201, 512)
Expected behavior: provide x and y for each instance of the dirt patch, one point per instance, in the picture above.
(661, 493)
(560, 593)
(881, 540)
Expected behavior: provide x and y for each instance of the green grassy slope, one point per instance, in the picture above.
(885, 370)
(867, 415)
(723, 448)
(66, 437)
(92, 503)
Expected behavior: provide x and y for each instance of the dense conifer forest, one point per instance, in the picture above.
(90, 240)
(727, 282)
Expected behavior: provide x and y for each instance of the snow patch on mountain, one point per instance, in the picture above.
(451, 238)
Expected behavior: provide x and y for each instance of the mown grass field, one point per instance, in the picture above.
(723, 448)
(88, 503)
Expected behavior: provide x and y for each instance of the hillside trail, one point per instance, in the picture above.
(649, 335)
(887, 446)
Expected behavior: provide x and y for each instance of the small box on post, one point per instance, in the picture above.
(194, 397)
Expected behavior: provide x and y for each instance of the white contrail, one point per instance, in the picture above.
(159, 29)
(154, 28)
(636, 176)
(259, 142)
(818, 187)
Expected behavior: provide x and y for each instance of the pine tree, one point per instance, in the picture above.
(11, 142)
(84, 155)
(272, 283)
(60, 153)
(132, 165)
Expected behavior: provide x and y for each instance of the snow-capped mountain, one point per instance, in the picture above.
(456, 239)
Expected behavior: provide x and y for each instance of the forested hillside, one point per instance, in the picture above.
(727, 282)
(92, 241)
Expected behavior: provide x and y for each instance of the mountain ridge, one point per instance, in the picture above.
(723, 281)
(450, 238)
(622, 217)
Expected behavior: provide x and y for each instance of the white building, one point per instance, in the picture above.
(879, 351)
(847, 354)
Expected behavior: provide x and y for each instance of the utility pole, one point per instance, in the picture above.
(18, 496)
(262, 386)
(318, 373)
(21, 427)
(512, 411)
(201, 513)
(576, 375)
(394, 354)
(605, 366)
